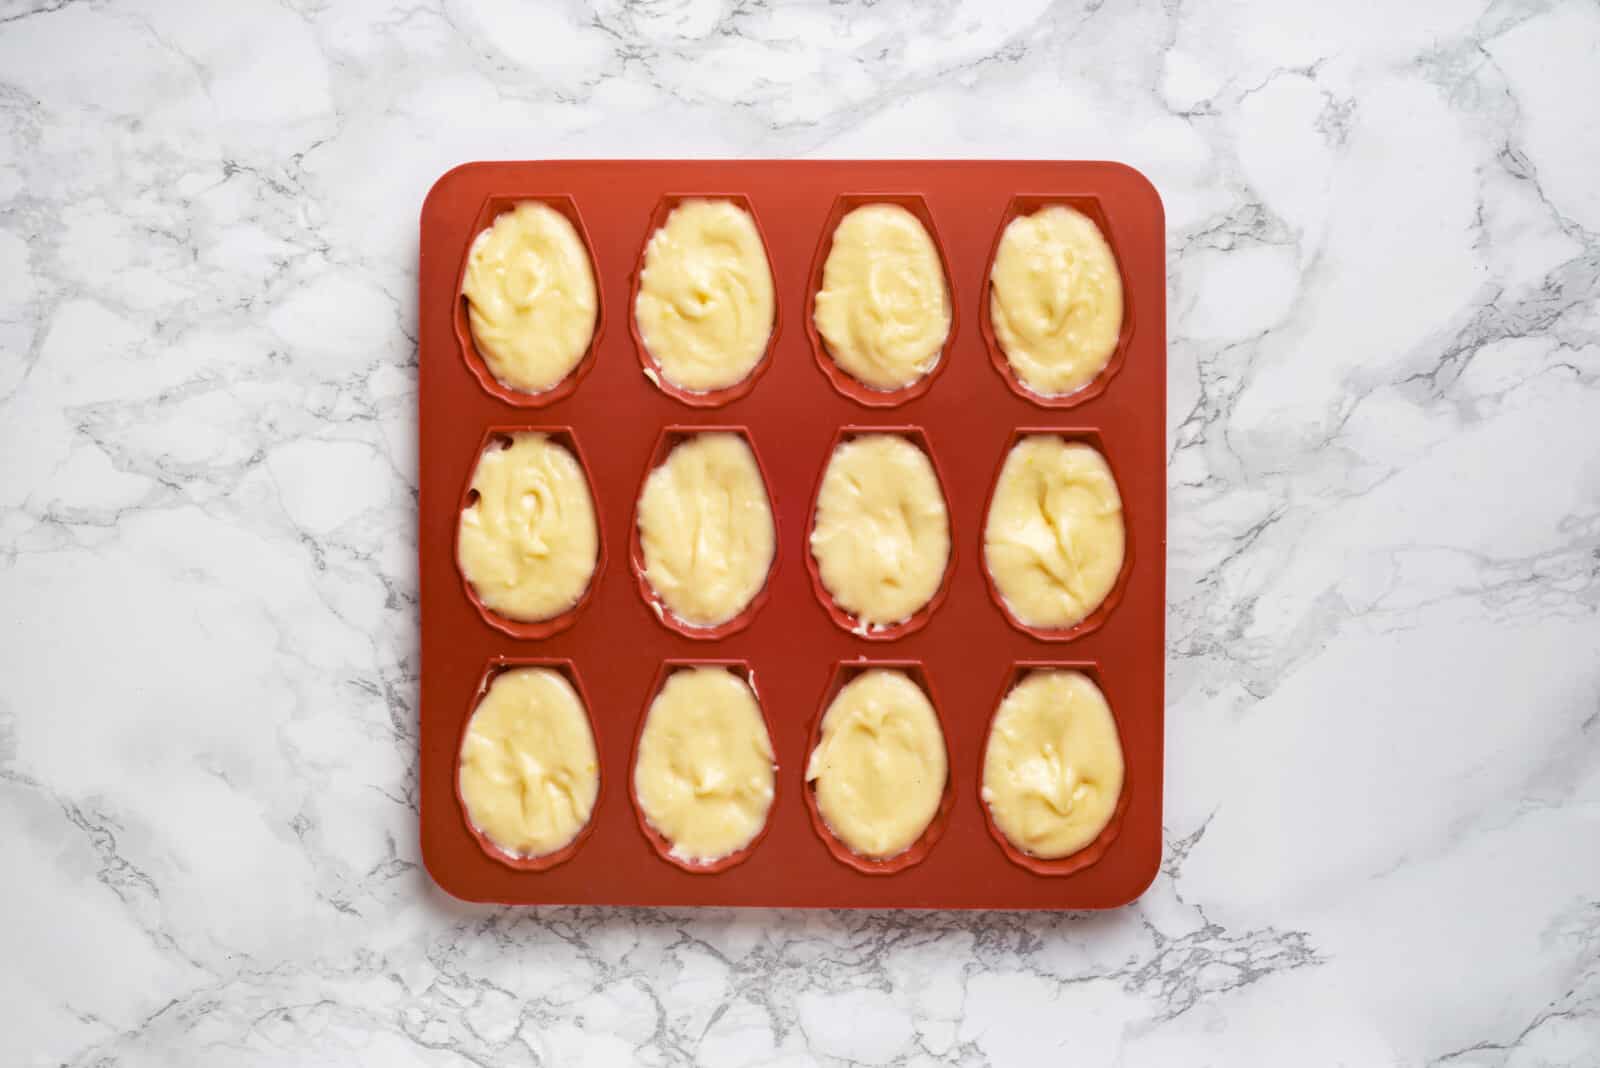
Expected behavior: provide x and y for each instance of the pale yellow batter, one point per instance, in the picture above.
(881, 538)
(531, 297)
(880, 765)
(705, 776)
(529, 774)
(1055, 299)
(1052, 772)
(1054, 540)
(529, 543)
(705, 305)
(884, 306)
(705, 524)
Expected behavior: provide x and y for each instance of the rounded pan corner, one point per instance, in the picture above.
(1140, 181)
(445, 874)
(1142, 878)
(442, 185)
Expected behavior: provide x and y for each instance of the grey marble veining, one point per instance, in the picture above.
(1383, 816)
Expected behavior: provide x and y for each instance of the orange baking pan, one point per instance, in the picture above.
(795, 646)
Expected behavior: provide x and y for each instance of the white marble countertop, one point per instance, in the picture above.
(1383, 785)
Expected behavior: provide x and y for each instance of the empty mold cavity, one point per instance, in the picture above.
(659, 842)
(669, 438)
(500, 437)
(1091, 207)
(491, 210)
(843, 380)
(842, 617)
(1091, 853)
(1097, 617)
(843, 673)
(546, 861)
(711, 398)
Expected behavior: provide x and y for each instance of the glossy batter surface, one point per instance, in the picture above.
(529, 543)
(1055, 299)
(1054, 540)
(529, 774)
(879, 767)
(881, 534)
(1052, 771)
(705, 305)
(705, 525)
(884, 305)
(531, 297)
(705, 777)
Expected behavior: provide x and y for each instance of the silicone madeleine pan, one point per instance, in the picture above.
(793, 644)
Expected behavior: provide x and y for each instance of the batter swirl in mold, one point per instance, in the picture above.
(531, 297)
(879, 767)
(880, 534)
(529, 774)
(884, 306)
(705, 306)
(706, 530)
(1053, 767)
(1055, 300)
(528, 542)
(1054, 540)
(704, 776)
